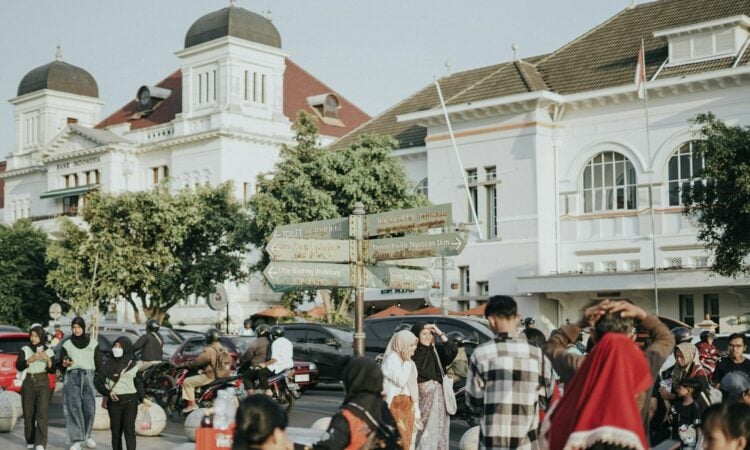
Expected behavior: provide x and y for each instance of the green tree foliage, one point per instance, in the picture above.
(313, 183)
(24, 297)
(721, 205)
(152, 246)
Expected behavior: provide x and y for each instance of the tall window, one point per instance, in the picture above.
(685, 171)
(421, 188)
(92, 177)
(472, 179)
(491, 174)
(158, 174)
(687, 313)
(609, 183)
(465, 281)
(711, 306)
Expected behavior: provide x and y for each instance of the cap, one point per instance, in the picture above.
(734, 384)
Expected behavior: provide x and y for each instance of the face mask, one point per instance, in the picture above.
(117, 352)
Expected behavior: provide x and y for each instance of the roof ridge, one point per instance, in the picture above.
(522, 73)
(501, 67)
(552, 54)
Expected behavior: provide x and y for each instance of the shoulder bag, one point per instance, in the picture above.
(450, 397)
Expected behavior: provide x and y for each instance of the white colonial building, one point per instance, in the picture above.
(222, 115)
(576, 199)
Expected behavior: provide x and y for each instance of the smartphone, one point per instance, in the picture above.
(39, 349)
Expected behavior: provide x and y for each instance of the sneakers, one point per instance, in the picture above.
(191, 406)
(76, 446)
(39, 447)
(90, 443)
(29, 445)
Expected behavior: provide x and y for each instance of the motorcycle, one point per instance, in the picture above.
(462, 410)
(282, 386)
(159, 381)
(204, 395)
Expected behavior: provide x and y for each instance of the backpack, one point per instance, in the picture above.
(223, 363)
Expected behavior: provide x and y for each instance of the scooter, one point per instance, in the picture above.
(462, 411)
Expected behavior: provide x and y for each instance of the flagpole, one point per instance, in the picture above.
(472, 206)
(651, 181)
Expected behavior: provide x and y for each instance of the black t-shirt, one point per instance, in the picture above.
(726, 365)
(682, 417)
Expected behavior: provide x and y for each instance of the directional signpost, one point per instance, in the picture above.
(337, 253)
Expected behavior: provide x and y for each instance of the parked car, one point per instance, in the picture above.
(171, 339)
(185, 333)
(10, 328)
(329, 346)
(378, 331)
(305, 373)
(10, 346)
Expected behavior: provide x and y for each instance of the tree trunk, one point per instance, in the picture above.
(135, 308)
(325, 294)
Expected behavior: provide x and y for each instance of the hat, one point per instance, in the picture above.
(734, 384)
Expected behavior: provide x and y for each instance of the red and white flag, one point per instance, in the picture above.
(640, 74)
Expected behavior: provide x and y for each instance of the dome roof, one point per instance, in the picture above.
(59, 76)
(233, 21)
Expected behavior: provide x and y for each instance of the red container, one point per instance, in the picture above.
(213, 439)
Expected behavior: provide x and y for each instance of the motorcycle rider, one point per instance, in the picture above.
(280, 359)
(150, 345)
(255, 355)
(205, 361)
(460, 366)
(247, 328)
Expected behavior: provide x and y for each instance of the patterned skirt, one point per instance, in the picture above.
(435, 434)
(402, 408)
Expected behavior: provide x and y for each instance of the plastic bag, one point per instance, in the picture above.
(225, 409)
(143, 419)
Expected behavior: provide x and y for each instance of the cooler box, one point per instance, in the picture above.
(213, 439)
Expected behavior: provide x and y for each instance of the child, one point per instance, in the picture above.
(684, 415)
(726, 427)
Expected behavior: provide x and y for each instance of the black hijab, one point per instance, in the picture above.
(363, 383)
(114, 366)
(81, 341)
(39, 331)
(425, 358)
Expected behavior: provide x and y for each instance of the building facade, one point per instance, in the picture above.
(222, 115)
(577, 198)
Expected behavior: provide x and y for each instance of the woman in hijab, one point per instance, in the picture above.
(36, 360)
(687, 365)
(121, 385)
(400, 384)
(431, 361)
(364, 420)
(81, 358)
(600, 408)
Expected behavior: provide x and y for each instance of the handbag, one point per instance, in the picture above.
(450, 397)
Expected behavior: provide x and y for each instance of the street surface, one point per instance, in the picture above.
(323, 401)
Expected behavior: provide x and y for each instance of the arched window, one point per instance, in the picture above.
(421, 187)
(685, 169)
(609, 183)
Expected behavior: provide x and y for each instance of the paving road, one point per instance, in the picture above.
(320, 402)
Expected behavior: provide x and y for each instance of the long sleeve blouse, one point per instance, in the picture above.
(396, 378)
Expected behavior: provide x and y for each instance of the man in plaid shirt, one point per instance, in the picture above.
(509, 382)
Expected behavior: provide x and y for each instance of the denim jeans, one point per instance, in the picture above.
(79, 404)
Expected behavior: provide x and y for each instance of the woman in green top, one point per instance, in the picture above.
(36, 360)
(121, 383)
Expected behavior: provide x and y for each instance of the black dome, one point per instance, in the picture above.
(233, 21)
(59, 76)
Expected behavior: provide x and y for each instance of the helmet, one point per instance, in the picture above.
(262, 330)
(529, 321)
(456, 337)
(276, 332)
(682, 334)
(212, 335)
(705, 335)
(402, 326)
(248, 322)
(152, 325)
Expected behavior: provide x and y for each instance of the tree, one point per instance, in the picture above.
(721, 205)
(152, 247)
(24, 297)
(313, 183)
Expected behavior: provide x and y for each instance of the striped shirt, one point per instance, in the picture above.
(509, 381)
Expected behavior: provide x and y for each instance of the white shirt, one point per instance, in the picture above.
(282, 351)
(247, 332)
(396, 375)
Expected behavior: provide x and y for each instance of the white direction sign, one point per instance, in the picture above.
(392, 222)
(285, 275)
(387, 277)
(324, 250)
(418, 246)
(321, 229)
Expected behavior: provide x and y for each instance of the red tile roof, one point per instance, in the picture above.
(3, 165)
(298, 85)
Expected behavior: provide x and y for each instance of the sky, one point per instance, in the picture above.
(372, 52)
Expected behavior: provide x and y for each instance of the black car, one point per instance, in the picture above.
(378, 331)
(328, 346)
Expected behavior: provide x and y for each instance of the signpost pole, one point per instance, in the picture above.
(356, 231)
(443, 284)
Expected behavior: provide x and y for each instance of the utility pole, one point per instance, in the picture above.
(356, 233)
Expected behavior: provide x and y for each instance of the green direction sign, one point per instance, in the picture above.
(284, 275)
(321, 229)
(391, 222)
(324, 250)
(389, 277)
(417, 246)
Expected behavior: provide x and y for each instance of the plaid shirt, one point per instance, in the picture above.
(509, 380)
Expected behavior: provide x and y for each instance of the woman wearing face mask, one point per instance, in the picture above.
(431, 361)
(36, 360)
(400, 384)
(80, 358)
(120, 382)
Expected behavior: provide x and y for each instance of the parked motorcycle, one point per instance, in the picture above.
(204, 395)
(462, 411)
(159, 381)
